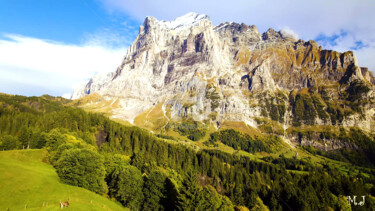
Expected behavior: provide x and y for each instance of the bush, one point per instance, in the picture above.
(9, 142)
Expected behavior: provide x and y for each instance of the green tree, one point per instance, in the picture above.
(343, 204)
(25, 137)
(211, 200)
(56, 155)
(126, 186)
(189, 195)
(154, 190)
(54, 139)
(171, 189)
(113, 162)
(9, 142)
(259, 206)
(82, 168)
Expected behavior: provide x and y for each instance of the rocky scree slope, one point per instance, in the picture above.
(188, 69)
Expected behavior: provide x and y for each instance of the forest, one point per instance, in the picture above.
(144, 172)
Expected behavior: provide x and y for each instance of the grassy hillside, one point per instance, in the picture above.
(26, 180)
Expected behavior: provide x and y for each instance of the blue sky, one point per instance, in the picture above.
(48, 46)
(68, 21)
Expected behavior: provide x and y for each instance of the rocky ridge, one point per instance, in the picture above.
(188, 69)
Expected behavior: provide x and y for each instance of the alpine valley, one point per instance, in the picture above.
(199, 117)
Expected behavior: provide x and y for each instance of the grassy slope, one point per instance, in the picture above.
(26, 180)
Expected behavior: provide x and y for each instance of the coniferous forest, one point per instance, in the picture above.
(145, 172)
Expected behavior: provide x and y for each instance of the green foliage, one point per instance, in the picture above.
(344, 104)
(82, 168)
(303, 109)
(259, 206)
(196, 135)
(59, 140)
(290, 163)
(154, 191)
(343, 203)
(9, 142)
(54, 139)
(126, 185)
(336, 113)
(242, 141)
(113, 162)
(194, 197)
(165, 136)
(269, 126)
(25, 137)
(223, 178)
(191, 129)
(171, 194)
(209, 199)
(309, 104)
(56, 155)
(29, 117)
(320, 107)
(188, 198)
(361, 152)
(357, 89)
(26, 178)
(274, 107)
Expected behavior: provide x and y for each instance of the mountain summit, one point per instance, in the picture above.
(188, 69)
(186, 21)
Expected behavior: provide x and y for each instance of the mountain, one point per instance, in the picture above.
(189, 70)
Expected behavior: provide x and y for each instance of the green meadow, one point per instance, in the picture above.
(28, 182)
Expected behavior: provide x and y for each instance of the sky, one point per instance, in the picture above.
(48, 47)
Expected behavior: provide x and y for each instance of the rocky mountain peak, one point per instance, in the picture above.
(184, 22)
(189, 69)
(271, 35)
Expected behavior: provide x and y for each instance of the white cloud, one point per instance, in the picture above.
(311, 18)
(366, 56)
(112, 37)
(48, 67)
(308, 19)
(286, 32)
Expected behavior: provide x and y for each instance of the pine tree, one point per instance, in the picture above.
(154, 191)
(126, 185)
(189, 194)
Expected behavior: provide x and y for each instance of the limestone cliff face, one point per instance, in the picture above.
(188, 68)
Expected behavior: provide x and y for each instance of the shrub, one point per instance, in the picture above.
(9, 142)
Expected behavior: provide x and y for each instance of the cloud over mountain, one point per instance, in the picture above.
(44, 64)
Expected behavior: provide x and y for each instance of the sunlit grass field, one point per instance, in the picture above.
(28, 182)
